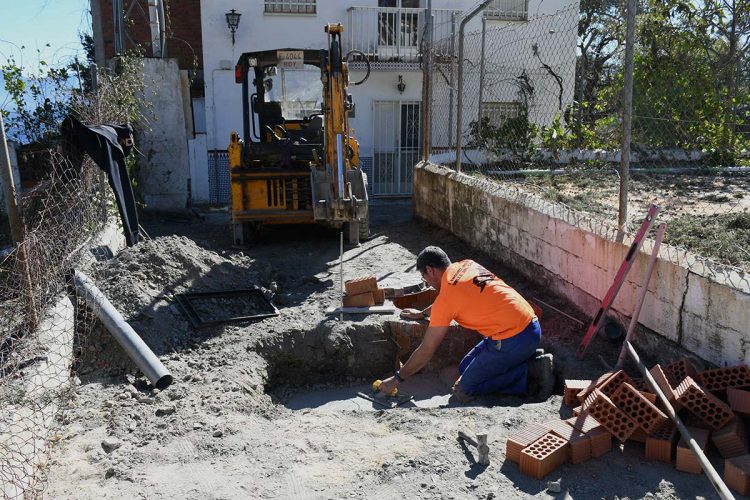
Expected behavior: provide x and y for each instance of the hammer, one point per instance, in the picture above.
(480, 444)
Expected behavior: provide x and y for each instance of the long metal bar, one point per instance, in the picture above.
(711, 473)
(627, 116)
(642, 292)
(11, 199)
(452, 84)
(426, 81)
(133, 344)
(481, 78)
(459, 97)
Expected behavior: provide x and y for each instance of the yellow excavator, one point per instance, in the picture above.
(297, 161)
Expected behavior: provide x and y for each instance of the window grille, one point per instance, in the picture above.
(290, 6)
(500, 112)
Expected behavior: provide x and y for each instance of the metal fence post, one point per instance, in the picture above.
(427, 83)
(627, 116)
(459, 97)
(452, 83)
(481, 79)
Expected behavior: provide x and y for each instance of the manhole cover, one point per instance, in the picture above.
(206, 308)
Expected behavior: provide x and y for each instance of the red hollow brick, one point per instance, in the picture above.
(660, 444)
(686, 460)
(572, 388)
(522, 439)
(584, 422)
(580, 444)
(661, 380)
(679, 371)
(720, 379)
(702, 404)
(612, 418)
(379, 296)
(577, 410)
(640, 384)
(593, 385)
(737, 474)
(638, 408)
(365, 299)
(610, 386)
(543, 456)
(739, 400)
(601, 441)
(361, 285)
(731, 440)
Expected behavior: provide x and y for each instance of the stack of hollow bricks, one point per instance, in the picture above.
(713, 403)
(363, 292)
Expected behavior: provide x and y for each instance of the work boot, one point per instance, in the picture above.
(541, 377)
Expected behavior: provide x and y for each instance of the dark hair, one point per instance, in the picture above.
(434, 257)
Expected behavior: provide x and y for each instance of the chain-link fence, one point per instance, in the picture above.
(42, 326)
(542, 111)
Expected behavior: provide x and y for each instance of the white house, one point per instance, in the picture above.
(387, 112)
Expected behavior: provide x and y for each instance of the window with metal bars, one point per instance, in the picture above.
(508, 10)
(290, 6)
(499, 112)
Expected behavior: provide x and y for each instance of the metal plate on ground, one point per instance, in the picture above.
(209, 308)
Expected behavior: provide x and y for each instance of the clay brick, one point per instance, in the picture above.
(359, 300)
(379, 296)
(739, 400)
(543, 456)
(577, 410)
(593, 385)
(572, 388)
(702, 404)
(522, 439)
(737, 474)
(638, 408)
(609, 386)
(580, 444)
(731, 440)
(686, 460)
(418, 300)
(612, 418)
(661, 380)
(601, 441)
(361, 285)
(679, 371)
(660, 444)
(639, 435)
(640, 384)
(584, 422)
(720, 379)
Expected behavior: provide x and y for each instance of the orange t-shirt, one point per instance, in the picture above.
(478, 300)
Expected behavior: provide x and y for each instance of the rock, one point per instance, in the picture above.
(553, 486)
(163, 411)
(197, 426)
(218, 433)
(110, 444)
(111, 472)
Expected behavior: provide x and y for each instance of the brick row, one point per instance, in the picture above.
(686, 460)
(720, 379)
(543, 456)
(612, 418)
(522, 439)
(702, 404)
(638, 408)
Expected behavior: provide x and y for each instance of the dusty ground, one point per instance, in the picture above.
(225, 428)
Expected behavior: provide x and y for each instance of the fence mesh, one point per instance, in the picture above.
(542, 112)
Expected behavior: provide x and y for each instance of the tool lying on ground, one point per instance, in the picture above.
(483, 450)
(622, 273)
(387, 400)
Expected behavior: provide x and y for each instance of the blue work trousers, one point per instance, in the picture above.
(500, 366)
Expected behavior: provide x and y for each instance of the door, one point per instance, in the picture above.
(398, 27)
(396, 147)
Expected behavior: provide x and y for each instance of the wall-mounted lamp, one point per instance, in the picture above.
(401, 86)
(233, 20)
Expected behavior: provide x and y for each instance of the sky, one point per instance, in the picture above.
(28, 25)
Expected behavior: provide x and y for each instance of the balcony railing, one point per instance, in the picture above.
(508, 10)
(391, 37)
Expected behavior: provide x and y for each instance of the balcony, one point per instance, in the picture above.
(391, 38)
(507, 10)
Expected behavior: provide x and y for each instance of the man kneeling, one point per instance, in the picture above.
(478, 300)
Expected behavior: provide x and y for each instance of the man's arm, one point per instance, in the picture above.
(419, 358)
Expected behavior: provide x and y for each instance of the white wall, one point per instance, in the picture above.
(259, 31)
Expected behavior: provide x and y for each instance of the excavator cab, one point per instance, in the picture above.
(297, 160)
